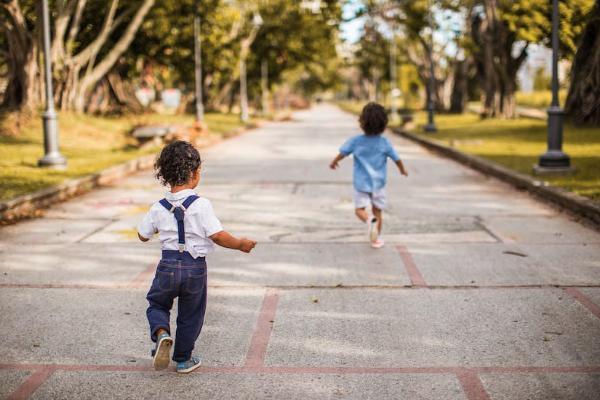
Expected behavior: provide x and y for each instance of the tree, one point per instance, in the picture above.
(88, 39)
(502, 31)
(373, 59)
(289, 38)
(414, 21)
(293, 38)
(583, 100)
(20, 47)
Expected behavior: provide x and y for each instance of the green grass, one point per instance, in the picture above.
(90, 144)
(517, 144)
(538, 99)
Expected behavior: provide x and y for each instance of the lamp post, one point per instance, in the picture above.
(257, 21)
(430, 127)
(394, 91)
(554, 160)
(52, 157)
(198, 67)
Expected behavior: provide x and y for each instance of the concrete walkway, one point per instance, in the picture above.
(480, 292)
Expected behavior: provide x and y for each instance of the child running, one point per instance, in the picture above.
(187, 228)
(370, 151)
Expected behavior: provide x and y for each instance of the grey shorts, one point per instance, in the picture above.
(364, 200)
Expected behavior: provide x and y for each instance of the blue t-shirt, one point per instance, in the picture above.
(370, 160)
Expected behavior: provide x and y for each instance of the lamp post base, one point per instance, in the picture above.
(430, 128)
(53, 160)
(553, 162)
(538, 170)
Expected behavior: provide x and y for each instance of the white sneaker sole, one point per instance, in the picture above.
(377, 245)
(162, 357)
(190, 369)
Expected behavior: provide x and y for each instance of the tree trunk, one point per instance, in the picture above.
(23, 73)
(235, 75)
(93, 75)
(583, 100)
(459, 96)
(496, 66)
(75, 75)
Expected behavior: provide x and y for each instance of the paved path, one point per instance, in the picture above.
(480, 293)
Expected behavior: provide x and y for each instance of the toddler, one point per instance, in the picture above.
(187, 227)
(370, 152)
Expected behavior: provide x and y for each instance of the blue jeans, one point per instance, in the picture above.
(184, 278)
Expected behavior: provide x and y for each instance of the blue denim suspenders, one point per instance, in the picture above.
(179, 213)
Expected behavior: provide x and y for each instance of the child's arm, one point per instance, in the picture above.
(146, 228)
(225, 239)
(336, 160)
(401, 167)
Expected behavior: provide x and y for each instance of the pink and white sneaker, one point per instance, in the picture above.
(377, 244)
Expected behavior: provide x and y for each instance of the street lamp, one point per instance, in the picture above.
(430, 127)
(52, 157)
(257, 22)
(554, 160)
(198, 66)
(394, 91)
(264, 83)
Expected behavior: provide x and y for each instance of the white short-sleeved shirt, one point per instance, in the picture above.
(200, 223)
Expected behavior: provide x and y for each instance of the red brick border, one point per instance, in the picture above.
(468, 377)
(414, 274)
(584, 300)
(255, 357)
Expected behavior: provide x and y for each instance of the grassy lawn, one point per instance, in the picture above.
(517, 144)
(90, 144)
(540, 99)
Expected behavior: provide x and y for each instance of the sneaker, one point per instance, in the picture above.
(373, 230)
(162, 352)
(185, 367)
(377, 244)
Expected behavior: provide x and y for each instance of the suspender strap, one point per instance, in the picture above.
(179, 214)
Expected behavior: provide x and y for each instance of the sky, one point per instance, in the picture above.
(351, 30)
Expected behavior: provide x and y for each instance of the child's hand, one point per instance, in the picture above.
(246, 245)
(404, 173)
(334, 164)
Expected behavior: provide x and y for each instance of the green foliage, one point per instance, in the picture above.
(373, 53)
(294, 38)
(165, 42)
(531, 20)
(290, 37)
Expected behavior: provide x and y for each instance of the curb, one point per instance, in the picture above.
(30, 204)
(579, 205)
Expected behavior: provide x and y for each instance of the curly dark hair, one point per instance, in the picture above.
(373, 119)
(176, 163)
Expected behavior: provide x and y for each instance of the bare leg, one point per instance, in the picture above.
(379, 215)
(362, 214)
